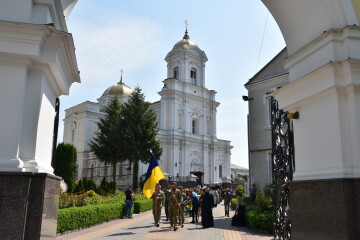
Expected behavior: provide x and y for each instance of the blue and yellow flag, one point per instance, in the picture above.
(153, 176)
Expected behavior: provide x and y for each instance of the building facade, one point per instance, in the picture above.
(270, 77)
(186, 114)
(240, 175)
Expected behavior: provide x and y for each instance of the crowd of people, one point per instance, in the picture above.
(197, 203)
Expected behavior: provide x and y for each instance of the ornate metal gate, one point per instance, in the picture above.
(283, 167)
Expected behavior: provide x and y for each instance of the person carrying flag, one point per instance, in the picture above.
(153, 175)
(157, 198)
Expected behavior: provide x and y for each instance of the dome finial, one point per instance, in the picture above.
(186, 36)
(121, 76)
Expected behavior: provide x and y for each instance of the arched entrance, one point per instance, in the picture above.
(199, 177)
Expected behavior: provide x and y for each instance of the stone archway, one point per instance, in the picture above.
(323, 42)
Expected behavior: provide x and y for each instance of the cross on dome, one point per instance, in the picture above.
(186, 36)
(121, 75)
(186, 24)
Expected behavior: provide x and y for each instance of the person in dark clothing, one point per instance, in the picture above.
(207, 205)
(227, 200)
(195, 206)
(129, 194)
(253, 191)
(239, 219)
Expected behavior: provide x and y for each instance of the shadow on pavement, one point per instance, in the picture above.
(160, 230)
(225, 223)
(142, 227)
(121, 234)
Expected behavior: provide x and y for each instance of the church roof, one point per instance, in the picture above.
(272, 69)
(186, 44)
(238, 167)
(118, 89)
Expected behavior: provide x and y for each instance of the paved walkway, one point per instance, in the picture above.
(142, 227)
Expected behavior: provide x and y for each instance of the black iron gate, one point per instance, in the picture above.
(283, 167)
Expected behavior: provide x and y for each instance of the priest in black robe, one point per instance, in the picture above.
(207, 205)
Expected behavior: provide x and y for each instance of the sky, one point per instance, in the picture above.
(238, 36)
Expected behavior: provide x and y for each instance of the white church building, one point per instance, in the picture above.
(186, 115)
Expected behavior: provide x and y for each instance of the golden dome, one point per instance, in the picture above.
(118, 89)
(185, 43)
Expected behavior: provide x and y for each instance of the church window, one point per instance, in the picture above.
(220, 171)
(121, 169)
(176, 73)
(267, 102)
(208, 126)
(194, 126)
(193, 76)
(92, 171)
(73, 136)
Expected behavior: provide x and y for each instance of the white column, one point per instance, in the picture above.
(327, 134)
(37, 65)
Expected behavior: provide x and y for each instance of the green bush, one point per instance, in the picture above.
(247, 200)
(82, 217)
(89, 184)
(240, 191)
(107, 188)
(91, 193)
(79, 187)
(257, 219)
(233, 203)
(263, 200)
(142, 205)
(64, 164)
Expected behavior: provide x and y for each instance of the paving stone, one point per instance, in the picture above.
(141, 227)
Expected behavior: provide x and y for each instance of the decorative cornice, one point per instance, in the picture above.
(284, 78)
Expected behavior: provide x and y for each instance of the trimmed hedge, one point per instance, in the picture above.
(261, 220)
(82, 217)
(142, 205)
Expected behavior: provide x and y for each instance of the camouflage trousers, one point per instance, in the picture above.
(157, 213)
(181, 215)
(174, 215)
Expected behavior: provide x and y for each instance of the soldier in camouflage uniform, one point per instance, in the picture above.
(182, 206)
(157, 198)
(174, 198)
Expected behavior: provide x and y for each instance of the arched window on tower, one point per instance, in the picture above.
(176, 72)
(220, 171)
(193, 76)
(92, 171)
(194, 126)
(121, 169)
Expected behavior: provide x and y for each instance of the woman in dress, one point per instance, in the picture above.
(239, 219)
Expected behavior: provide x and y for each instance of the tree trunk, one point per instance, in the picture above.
(136, 176)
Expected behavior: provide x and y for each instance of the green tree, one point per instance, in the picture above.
(65, 164)
(140, 131)
(108, 143)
